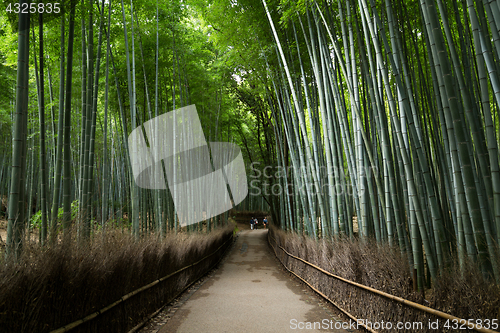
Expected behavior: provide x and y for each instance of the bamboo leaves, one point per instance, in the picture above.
(388, 120)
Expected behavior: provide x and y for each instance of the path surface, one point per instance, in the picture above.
(250, 293)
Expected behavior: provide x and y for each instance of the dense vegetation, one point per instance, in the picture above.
(93, 74)
(371, 119)
(383, 111)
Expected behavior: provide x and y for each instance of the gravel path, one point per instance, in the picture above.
(251, 293)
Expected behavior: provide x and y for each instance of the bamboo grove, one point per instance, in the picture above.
(387, 111)
(85, 79)
(379, 119)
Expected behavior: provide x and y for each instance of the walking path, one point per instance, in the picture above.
(250, 293)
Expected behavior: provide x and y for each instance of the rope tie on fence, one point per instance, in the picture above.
(403, 301)
(91, 316)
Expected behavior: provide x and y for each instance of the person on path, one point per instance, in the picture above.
(256, 223)
(265, 222)
(252, 221)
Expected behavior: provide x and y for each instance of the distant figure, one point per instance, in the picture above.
(252, 221)
(265, 222)
(256, 223)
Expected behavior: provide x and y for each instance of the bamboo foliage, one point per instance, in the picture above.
(67, 125)
(16, 222)
(416, 143)
(72, 166)
(60, 128)
(382, 114)
(43, 163)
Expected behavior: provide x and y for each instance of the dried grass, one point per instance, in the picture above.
(54, 286)
(466, 293)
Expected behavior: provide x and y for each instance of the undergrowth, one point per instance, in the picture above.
(53, 286)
